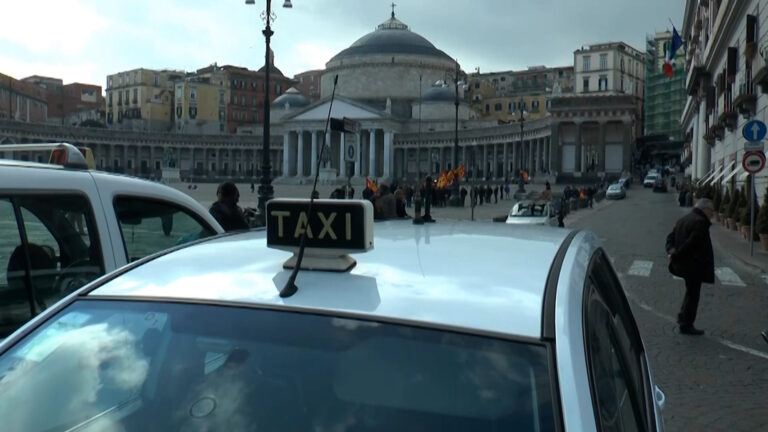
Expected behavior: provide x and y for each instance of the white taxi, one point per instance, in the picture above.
(442, 327)
(529, 212)
(63, 225)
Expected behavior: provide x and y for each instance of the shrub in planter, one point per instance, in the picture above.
(733, 204)
(717, 199)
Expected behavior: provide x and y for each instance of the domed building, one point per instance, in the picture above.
(392, 63)
(401, 92)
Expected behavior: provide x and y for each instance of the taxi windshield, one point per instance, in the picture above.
(532, 209)
(134, 366)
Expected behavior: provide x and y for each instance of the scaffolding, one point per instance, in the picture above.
(664, 97)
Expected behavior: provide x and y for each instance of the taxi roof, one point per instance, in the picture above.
(482, 276)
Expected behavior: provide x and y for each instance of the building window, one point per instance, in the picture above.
(487, 108)
(602, 83)
(497, 107)
(535, 106)
(157, 80)
(109, 83)
(119, 80)
(585, 66)
(549, 103)
(511, 107)
(119, 98)
(503, 79)
(192, 93)
(586, 85)
(135, 95)
(110, 99)
(622, 64)
(221, 98)
(278, 89)
(253, 101)
(603, 61)
(477, 85)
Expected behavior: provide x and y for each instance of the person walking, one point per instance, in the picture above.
(689, 248)
(226, 211)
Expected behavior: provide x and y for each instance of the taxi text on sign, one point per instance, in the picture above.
(333, 224)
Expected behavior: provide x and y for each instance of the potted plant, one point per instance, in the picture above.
(716, 203)
(762, 221)
(733, 205)
(740, 204)
(724, 205)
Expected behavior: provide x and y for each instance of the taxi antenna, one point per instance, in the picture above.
(290, 287)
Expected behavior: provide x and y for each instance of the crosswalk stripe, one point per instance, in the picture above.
(728, 277)
(640, 268)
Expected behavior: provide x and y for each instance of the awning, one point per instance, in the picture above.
(738, 169)
(708, 176)
(726, 169)
(743, 176)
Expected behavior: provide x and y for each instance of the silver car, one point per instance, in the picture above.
(615, 191)
(532, 213)
(441, 327)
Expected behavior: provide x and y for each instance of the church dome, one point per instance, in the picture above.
(440, 93)
(292, 98)
(391, 37)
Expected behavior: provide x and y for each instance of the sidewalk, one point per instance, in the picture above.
(731, 241)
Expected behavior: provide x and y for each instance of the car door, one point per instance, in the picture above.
(51, 246)
(619, 376)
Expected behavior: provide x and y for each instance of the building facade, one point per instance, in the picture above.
(22, 101)
(727, 75)
(500, 95)
(141, 99)
(308, 83)
(664, 96)
(199, 107)
(70, 104)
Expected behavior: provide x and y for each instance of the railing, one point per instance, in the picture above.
(746, 84)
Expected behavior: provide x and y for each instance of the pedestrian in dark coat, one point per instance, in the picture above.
(226, 211)
(691, 258)
(496, 194)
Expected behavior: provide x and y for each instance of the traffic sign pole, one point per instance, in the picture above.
(752, 216)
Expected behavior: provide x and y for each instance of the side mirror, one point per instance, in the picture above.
(661, 399)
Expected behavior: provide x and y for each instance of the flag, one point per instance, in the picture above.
(370, 185)
(669, 62)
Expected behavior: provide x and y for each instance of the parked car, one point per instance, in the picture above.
(615, 191)
(625, 182)
(221, 336)
(650, 180)
(65, 225)
(660, 185)
(529, 212)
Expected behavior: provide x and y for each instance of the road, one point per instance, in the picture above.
(713, 382)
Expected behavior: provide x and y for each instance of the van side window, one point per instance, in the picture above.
(149, 226)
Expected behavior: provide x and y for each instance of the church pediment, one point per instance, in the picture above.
(340, 109)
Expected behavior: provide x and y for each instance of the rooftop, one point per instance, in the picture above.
(415, 273)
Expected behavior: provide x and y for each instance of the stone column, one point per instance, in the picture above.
(286, 153)
(359, 154)
(579, 150)
(329, 148)
(388, 154)
(342, 155)
(539, 155)
(505, 170)
(515, 168)
(485, 161)
(313, 157)
(372, 153)
(300, 155)
(531, 167)
(495, 161)
(601, 130)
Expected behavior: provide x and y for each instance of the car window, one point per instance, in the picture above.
(134, 366)
(14, 299)
(149, 226)
(61, 253)
(615, 353)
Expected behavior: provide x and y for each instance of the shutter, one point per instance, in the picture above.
(733, 56)
(710, 98)
(751, 28)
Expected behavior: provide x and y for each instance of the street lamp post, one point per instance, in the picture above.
(455, 193)
(265, 183)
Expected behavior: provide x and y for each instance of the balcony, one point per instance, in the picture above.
(760, 68)
(728, 117)
(746, 101)
(698, 75)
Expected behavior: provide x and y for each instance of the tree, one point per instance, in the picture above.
(725, 204)
(733, 205)
(762, 216)
(718, 199)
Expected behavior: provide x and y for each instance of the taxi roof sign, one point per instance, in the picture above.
(334, 229)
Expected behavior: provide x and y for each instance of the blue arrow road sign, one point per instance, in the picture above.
(754, 130)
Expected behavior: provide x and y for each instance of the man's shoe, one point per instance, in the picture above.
(765, 335)
(691, 331)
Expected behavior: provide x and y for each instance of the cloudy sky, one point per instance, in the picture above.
(85, 40)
